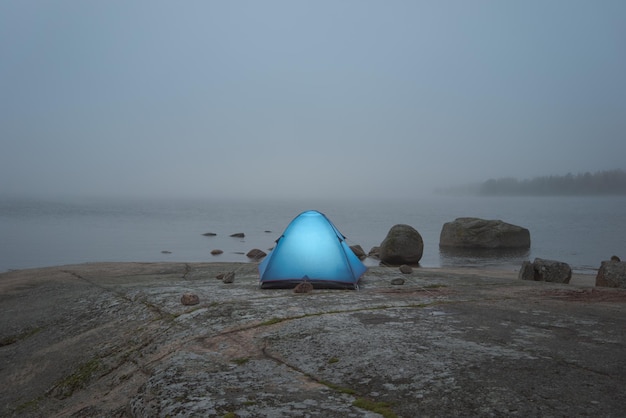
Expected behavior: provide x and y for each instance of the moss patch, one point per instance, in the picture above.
(382, 408)
(272, 321)
(77, 380)
(12, 339)
(28, 408)
(338, 388)
(241, 360)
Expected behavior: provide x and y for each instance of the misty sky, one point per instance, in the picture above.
(296, 98)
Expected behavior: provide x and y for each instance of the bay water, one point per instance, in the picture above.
(581, 231)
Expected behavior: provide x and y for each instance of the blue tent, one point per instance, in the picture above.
(311, 249)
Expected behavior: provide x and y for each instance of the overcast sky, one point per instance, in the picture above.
(295, 98)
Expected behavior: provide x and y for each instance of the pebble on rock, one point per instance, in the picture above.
(189, 299)
(304, 287)
(406, 269)
(229, 277)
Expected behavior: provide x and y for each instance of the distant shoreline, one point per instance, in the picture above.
(602, 183)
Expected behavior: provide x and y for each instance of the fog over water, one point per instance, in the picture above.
(581, 231)
(287, 99)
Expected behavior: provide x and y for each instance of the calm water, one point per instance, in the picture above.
(581, 231)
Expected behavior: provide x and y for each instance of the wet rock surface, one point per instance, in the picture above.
(114, 340)
(483, 233)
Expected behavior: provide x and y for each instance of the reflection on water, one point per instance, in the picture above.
(509, 258)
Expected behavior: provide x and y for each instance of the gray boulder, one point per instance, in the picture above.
(402, 245)
(483, 234)
(545, 271)
(612, 274)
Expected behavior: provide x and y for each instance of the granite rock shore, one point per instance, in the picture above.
(114, 339)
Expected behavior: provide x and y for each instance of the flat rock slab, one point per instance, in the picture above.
(114, 339)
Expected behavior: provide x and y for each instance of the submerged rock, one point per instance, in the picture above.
(256, 254)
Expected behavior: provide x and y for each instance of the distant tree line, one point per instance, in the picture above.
(612, 182)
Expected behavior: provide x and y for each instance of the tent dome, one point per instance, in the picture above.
(311, 249)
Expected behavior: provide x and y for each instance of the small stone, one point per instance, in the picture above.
(256, 254)
(216, 252)
(406, 269)
(229, 277)
(358, 251)
(189, 299)
(238, 235)
(397, 281)
(527, 271)
(304, 287)
(615, 258)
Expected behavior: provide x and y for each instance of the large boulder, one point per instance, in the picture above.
(402, 245)
(483, 234)
(545, 271)
(612, 274)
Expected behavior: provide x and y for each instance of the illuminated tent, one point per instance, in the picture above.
(311, 249)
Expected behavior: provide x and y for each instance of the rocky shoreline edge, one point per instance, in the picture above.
(115, 339)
